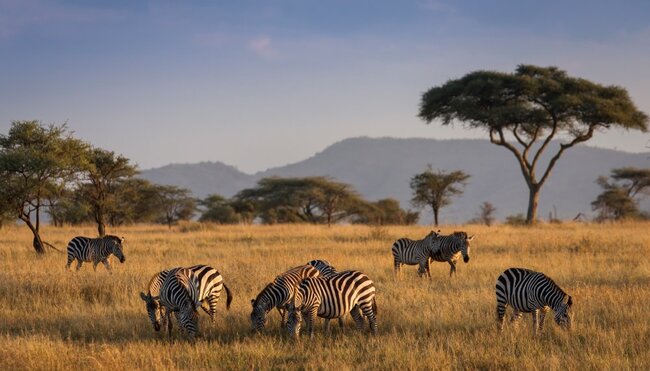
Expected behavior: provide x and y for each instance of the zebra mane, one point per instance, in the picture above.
(259, 296)
(460, 234)
(112, 237)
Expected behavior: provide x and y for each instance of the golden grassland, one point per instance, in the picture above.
(54, 319)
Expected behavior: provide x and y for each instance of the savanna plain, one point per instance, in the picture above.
(54, 319)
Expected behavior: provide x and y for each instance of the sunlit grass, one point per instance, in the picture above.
(54, 319)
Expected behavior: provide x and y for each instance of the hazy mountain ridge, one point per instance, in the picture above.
(382, 167)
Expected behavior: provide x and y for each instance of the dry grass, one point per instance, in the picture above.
(53, 319)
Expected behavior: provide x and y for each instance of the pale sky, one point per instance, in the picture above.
(257, 84)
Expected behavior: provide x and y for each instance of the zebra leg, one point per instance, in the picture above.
(428, 267)
(309, 315)
(397, 265)
(283, 317)
(356, 314)
(542, 316)
(535, 324)
(328, 329)
(107, 265)
(516, 316)
(70, 260)
(452, 269)
(369, 311)
(341, 324)
(501, 315)
(168, 319)
(212, 303)
(79, 262)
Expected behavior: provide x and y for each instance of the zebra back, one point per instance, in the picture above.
(95, 249)
(410, 252)
(324, 267)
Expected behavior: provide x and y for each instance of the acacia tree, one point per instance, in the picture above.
(524, 111)
(486, 213)
(436, 189)
(37, 164)
(617, 199)
(104, 173)
(176, 203)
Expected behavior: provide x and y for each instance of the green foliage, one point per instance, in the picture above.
(437, 189)
(530, 105)
(37, 164)
(295, 200)
(102, 176)
(616, 202)
(175, 203)
(219, 210)
(384, 212)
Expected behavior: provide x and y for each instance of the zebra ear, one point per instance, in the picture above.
(471, 237)
(143, 296)
(121, 239)
(252, 301)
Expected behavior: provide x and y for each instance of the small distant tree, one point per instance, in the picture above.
(37, 163)
(517, 219)
(435, 189)
(217, 209)
(100, 188)
(617, 199)
(486, 213)
(176, 204)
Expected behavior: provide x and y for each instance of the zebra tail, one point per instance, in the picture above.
(228, 296)
(374, 305)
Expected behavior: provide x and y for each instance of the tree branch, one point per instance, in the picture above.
(522, 162)
(578, 139)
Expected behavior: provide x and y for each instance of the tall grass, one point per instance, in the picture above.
(54, 319)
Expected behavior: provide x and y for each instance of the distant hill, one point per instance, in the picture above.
(381, 168)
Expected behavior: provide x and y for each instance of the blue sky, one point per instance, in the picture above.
(258, 84)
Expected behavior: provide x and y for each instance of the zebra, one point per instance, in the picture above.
(278, 294)
(210, 284)
(532, 292)
(412, 252)
(324, 267)
(95, 250)
(345, 292)
(179, 294)
(450, 248)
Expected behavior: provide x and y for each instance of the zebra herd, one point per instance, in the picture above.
(317, 289)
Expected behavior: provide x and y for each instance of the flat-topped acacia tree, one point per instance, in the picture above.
(525, 110)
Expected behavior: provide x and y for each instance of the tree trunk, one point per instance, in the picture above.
(37, 243)
(435, 215)
(533, 201)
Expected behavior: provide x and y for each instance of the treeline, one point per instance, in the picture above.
(45, 169)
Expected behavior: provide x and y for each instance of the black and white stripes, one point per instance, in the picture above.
(277, 294)
(95, 250)
(179, 294)
(210, 287)
(345, 292)
(532, 292)
(412, 252)
(450, 248)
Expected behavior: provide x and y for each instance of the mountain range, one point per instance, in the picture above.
(382, 167)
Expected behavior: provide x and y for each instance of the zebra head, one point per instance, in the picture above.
(294, 321)
(324, 267)
(563, 313)
(258, 315)
(154, 310)
(116, 245)
(189, 318)
(464, 244)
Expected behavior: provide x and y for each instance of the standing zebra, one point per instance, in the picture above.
(326, 270)
(450, 248)
(210, 287)
(412, 252)
(95, 250)
(345, 292)
(278, 294)
(531, 292)
(179, 294)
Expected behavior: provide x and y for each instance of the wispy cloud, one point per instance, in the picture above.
(262, 46)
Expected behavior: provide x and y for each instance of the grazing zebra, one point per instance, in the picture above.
(210, 287)
(450, 248)
(278, 294)
(95, 250)
(412, 252)
(179, 294)
(345, 292)
(326, 270)
(531, 292)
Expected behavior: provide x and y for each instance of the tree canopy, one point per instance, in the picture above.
(435, 189)
(525, 110)
(37, 164)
